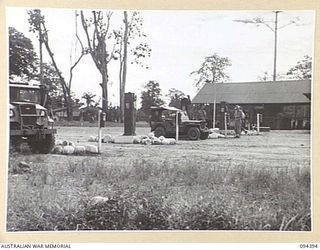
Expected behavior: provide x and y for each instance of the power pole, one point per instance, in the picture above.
(260, 21)
(275, 45)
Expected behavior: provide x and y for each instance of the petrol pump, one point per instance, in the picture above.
(129, 114)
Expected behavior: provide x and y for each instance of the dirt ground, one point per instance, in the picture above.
(269, 149)
(263, 171)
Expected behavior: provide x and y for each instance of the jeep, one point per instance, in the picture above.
(163, 123)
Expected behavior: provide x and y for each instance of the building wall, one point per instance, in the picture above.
(275, 116)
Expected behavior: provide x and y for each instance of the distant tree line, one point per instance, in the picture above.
(107, 44)
(102, 42)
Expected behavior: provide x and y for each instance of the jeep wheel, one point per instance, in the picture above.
(159, 131)
(43, 146)
(193, 133)
(204, 135)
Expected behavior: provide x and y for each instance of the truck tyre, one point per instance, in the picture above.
(14, 145)
(193, 133)
(47, 144)
(159, 131)
(204, 135)
(43, 146)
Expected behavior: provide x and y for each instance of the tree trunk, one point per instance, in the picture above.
(123, 67)
(66, 91)
(104, 89)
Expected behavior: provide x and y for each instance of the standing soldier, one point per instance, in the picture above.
(201, 113)
(238, 117)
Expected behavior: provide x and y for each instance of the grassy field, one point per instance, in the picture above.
(252, 183)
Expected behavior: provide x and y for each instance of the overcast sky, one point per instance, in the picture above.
(180, 40)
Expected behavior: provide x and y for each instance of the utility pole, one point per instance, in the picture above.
(275, 45)
(260, 21)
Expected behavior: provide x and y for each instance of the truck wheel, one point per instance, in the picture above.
(193, 133)
(204, 135)
(14, 145)
(159, 131)
(46, 145)
(43, 146)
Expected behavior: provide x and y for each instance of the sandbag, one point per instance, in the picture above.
(108, 139)
(91, 149)
(80, 150)
(68, 150)
(146, 141)
(57, 149)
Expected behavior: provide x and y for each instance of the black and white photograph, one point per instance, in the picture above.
(159, 120)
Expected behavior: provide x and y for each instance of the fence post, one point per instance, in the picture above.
(225, 124)
(258, 123)
(99, 131)
(177, 125)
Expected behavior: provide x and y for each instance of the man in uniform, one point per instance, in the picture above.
(238, 117)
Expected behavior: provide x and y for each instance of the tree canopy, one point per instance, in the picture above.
(175, 96)
(88, 97)
(212, 70)
(302, 70)
(151, 96)
(22, 58)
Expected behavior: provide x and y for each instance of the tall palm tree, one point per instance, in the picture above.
(88, 97)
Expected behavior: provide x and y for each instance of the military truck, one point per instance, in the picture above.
(29, 120)
(163, 123)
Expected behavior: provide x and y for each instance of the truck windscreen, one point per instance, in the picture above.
(24, 95)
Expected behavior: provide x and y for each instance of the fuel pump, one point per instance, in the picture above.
(103, 118)
(129, 114)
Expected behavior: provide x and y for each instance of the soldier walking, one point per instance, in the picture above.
(238, 117)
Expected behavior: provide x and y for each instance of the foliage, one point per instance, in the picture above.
(175, 96)
(88, 97)
(266, 77)
(38, 26)
(212, 70)
(151, 96)
(101, 45)
(302, 70)
(22, 57)
(129, 38)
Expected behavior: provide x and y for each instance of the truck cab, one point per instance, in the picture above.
(29, 120)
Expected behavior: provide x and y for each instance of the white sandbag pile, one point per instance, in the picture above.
(151, 139)
(146, 141)
(136, 140)
(250, 132)
(168, 141)
(92, 149)
(57, 149)
(214, 130)
(104, 139)
(215, 135)
(80, 150)
(70, 148)
(108, 139)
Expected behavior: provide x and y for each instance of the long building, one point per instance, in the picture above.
(283, 104)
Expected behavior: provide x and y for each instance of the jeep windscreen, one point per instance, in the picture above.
(24, 95)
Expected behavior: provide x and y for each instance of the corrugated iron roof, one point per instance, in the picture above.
(256, 92)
